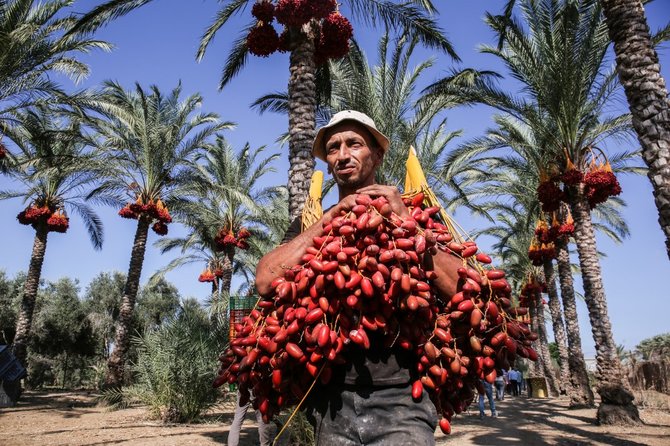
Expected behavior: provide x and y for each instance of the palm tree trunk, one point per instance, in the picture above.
(543, 344)
(557, 325)
(640, 75)
(535, 369)
(616, 405)
(117, 360)
(215, 301)
(579, 390)
(227, 277)
(301, 122)
(25, 317)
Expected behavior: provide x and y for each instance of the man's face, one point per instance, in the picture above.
(350, 155)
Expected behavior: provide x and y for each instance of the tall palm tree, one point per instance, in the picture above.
(148, 142)
(558, 55)
(33, 43)
(647, 93)
(516, 175)
(55, 172)
(228, 199)
(300, 40)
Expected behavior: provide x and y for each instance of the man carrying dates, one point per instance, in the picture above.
(369, 393)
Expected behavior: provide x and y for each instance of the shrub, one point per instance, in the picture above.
(176, 364)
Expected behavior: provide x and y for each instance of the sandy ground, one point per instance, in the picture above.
(73, 419)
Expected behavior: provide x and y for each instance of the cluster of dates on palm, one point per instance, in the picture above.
(542, 246)
(37, 214)
(226, 238)
(331, 31)
(3, 150)
(599, 182)
(529, 292)
(154, 210)
(210, 274)
(365, 275)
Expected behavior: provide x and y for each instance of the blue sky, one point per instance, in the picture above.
(157, 45)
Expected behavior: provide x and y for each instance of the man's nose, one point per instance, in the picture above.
(343, 152)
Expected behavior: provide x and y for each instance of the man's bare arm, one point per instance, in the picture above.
(445, 266)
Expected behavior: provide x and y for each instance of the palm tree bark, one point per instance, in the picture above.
(226, 278)
(543, 345)
(302, 123)
(640, 75)
(25, 316)
(557, 325)
(215, 301)
(117, 360)
(616, 405)
(535, 369)
(580, 393)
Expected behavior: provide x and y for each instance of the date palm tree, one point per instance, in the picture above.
(558, 55)
(148, 142)
(413, 17)
(647, 93)
(34, 41)
(54, 172)
(228, 198)
(512, 158)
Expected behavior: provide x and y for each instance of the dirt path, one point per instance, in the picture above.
(72, 419)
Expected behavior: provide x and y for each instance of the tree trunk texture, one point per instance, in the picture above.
(558, 326)
(640, 75)
(616, 405)
(226, 278)
(535, 368)
(302, 123)
(579, 390)
(543, 344)
(117, 360)
(25, 317)
(215, 302)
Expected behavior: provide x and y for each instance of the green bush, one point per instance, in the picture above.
(176, 365)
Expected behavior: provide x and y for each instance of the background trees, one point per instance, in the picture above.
(148, 142)
(55, 172)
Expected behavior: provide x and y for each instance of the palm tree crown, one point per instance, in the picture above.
(36, 38)
(56, 169)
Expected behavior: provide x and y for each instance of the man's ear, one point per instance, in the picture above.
(379, 153)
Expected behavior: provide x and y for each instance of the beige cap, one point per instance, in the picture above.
(319, 149)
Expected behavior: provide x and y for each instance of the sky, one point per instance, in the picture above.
(156, 45)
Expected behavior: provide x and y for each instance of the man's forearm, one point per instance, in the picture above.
(445, 266)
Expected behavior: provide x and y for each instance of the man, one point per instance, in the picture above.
(500, 385)
(265, 431)
(368, 400)
(514, 378)
(487, 389)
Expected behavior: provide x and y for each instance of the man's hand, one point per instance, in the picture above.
(344, 205)
(391, 193)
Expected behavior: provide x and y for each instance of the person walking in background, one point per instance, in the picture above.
(265, 434)
(520, 382)
(514, 377)
(500, 385)
(488, 390)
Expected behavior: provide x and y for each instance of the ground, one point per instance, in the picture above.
(73, 419)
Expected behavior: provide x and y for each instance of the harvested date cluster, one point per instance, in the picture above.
(365, 274)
